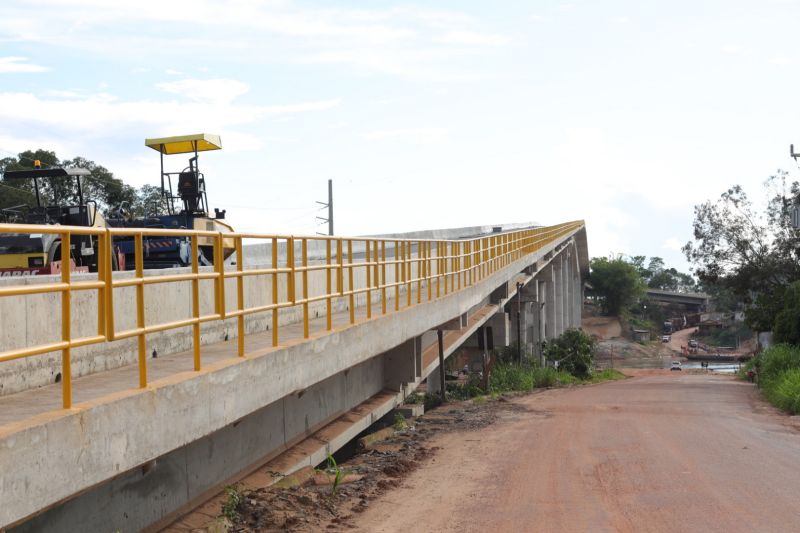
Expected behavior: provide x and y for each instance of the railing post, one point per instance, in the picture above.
(407, 269)
(396, 276)
(142, 347)
(102, 258)
(196, 302)
(367, 256)
(290, 286)
(438, 268)
(304, 251)
(66, 322)
(350, 281)
(219, 267)
(109, 290)
(376, 271)
(420, 270)
(328, 286)
(428, 279)
(383, 277)
(240, 293)
(275, 299)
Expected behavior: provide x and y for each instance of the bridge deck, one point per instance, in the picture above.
(19, 407)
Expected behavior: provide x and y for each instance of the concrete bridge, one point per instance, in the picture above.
(694, 300)
(127, 397)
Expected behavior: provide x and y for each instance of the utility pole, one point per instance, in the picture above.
(329, 205)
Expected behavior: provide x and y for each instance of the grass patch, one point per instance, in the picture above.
(525, 377)
(230, 508)
(608, 374)
(399, 422)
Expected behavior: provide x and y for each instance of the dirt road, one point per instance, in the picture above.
(664, 452)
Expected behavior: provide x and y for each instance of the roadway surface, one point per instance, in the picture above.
(658, 452)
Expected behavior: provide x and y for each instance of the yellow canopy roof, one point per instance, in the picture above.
(184, 144)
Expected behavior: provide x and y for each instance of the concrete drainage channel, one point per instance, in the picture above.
(372, 421)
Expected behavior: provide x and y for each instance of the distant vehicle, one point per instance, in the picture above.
(676, 365)
(665, 338)
(667, 329)
(692, 343)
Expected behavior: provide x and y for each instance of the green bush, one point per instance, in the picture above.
(775, 361)
(574, 352)
(778, 370)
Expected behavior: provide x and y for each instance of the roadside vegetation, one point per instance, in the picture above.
(778, 371)
(573, 352)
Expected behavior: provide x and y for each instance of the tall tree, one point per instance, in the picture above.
(617, 283)
(755, 254)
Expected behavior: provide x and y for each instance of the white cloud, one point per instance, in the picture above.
(212, 91)
(476, 38)
(418, 43)
(14, 64)
(14, 144)
(673, 244)
(781, 60)
(732, 49)
(103, 114)
(415, 135)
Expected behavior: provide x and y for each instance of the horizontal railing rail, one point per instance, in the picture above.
(364, 272)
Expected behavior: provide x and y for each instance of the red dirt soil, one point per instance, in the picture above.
(664, 452)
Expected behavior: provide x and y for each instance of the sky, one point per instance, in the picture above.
(625, 114)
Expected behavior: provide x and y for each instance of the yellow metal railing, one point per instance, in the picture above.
(424, 270)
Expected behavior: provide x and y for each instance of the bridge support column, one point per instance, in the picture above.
(530, 318)
(577, 296)
(569, 289)
(500, 329)
(550, 303)
(539, 319)
(558, 264)
(402, 365)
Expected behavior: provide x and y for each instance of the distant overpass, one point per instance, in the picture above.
(696, 300)
(126, 397)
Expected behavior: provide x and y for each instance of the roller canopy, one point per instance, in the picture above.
(44, 173)
(184, 144)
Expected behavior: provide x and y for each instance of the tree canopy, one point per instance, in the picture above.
(101, 186)
(656, 275)
(617, 282)
(753, 253)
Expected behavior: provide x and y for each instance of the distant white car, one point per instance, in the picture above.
(665, 338)
(693, 343)
(676, 365)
